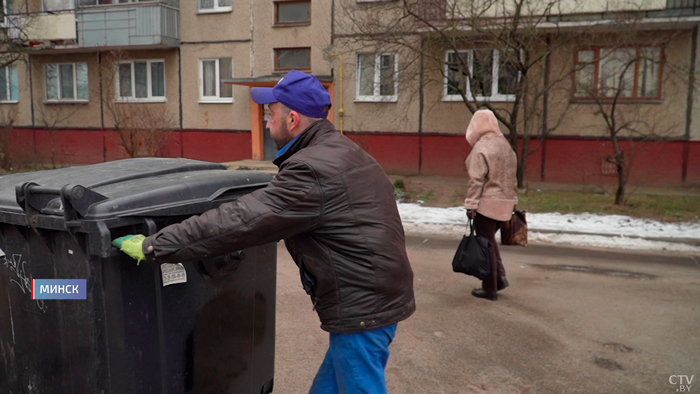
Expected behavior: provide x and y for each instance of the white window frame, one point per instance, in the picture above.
(8, 81)
(200, 80)
(3, 22)
(216, 10)
(133, 99)
(495, 65)
(376, 97)
(75, 84)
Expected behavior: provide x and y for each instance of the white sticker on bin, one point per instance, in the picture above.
(173, 273)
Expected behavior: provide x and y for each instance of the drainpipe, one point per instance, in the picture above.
(341, 112)
(545, 108)
(689, 109)
(421, 104)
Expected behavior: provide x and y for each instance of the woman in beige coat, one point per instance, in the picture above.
(492, 191)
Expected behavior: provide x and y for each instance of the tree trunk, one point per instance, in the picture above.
(522, 162)
(520, 174)
(620, 166)
(620, 193)
(53, 150)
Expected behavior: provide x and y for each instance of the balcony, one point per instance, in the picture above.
(56, 27)
(684, 7)
(128, 23)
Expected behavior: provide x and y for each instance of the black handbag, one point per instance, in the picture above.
(472, 257)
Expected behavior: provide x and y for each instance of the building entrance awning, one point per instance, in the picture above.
(257, 129)
(270, 80)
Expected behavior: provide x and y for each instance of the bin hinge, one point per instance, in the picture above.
(75, 201)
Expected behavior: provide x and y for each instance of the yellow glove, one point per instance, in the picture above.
(132, 246)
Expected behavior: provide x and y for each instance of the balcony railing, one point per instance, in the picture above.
(95, 3)
(676, 4)
(152, 23)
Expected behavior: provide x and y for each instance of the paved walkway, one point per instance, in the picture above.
(574, 321)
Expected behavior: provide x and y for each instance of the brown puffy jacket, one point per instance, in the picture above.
(334, 207)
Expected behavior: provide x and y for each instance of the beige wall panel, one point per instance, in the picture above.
(197, 115)
(196, 27)
(538, 7)
(66, 115)
(50, 27)
(88, 115)
(665, 117)
(316, 35)
(19, 113)
(171, 84)
(27, 5)
(353, 17)
(399, 116)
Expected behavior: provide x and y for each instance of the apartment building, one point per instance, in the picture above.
(93, 66)
(407, 65)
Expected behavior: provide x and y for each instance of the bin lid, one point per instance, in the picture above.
(136, 187)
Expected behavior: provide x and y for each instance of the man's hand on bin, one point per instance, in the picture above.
(131, 245)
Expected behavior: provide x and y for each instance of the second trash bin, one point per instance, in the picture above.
(211, 330)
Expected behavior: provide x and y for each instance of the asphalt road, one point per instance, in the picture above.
(573, 321)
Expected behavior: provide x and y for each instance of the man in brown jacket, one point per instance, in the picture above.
(334, 207)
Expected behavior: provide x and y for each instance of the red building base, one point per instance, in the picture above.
(559, 159)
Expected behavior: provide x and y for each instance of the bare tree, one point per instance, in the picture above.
(516, 37)
(18, 23)
(622, 79)
(142, 129)
(52, 116)
(7, 120)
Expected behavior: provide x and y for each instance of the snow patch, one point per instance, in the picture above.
(586, 229)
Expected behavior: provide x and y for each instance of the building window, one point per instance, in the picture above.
(625, 73)
(292, 58)
(377, 77)
(292, 13)
(141, 80)
(9, 88)
(5, 9)
(494, 77)
(67, 82)
(213, 6)
(212, 72)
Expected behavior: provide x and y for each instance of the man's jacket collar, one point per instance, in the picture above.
(304, 139)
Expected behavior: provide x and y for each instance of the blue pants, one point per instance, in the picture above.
(354, 363)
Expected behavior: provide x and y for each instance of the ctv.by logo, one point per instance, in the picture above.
(682, 381)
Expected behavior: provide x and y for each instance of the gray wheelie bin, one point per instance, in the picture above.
(200, 327)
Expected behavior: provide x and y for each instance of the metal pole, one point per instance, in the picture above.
(340, 110)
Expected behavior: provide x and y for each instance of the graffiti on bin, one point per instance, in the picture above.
(24, 281)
